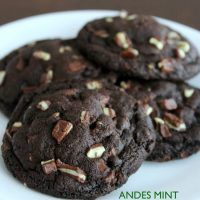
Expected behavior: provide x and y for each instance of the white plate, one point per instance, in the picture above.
(182, 175)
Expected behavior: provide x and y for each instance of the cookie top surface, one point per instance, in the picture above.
(42, 62)
(175, 110)
(77, 141)
(139, 46)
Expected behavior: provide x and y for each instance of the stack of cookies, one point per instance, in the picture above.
(86, 113)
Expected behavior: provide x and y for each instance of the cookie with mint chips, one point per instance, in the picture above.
(28, 67)
(77, 140)
(139, 46)
(175, 111)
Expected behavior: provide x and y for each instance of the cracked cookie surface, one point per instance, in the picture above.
(175, 111)
(139, 46)
(77, 140)
(28, 67)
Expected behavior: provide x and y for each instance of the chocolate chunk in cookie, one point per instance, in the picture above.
(84, 144)
(175, 111)
(139, 46)
(25, 69)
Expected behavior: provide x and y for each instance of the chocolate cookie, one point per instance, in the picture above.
(139, 46)
(175, 111)
(30, 66)
(77, 140)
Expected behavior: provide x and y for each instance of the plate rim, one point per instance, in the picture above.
(48, 14)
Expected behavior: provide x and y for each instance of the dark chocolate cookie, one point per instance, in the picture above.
(139, 46)
(175, 110)
(30, 66)
(77, 140)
